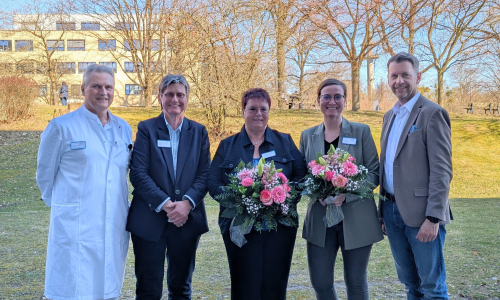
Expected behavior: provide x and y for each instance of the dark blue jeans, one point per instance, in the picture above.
(321, 262)
(420, 266)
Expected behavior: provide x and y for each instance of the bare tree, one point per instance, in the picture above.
(351, 26)
(229, 45)
(285, 19)
(134, 32)
(45, 52)
(411, 17)
(453, 36)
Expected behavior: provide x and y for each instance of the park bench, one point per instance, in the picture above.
(490, 108)
(469, 108)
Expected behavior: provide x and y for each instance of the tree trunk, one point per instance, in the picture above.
(147, 96)
(440, 87)
(280, 55)
(355, 86)
(53, 86)
(281, 29)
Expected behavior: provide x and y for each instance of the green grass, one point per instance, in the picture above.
(472, 242)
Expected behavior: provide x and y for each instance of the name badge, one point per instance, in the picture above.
(269, 154)
(164, 144)
(77, 145)
(349, 141)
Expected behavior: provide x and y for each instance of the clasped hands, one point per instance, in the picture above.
(177, 212)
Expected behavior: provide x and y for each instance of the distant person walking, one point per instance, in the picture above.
(63, 93)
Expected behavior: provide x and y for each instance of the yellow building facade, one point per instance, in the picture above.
(70, 47)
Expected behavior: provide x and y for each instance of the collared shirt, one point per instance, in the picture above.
(175, 136)
(401, 112)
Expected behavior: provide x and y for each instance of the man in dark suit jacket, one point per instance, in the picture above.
(169, 172)
(415, 176)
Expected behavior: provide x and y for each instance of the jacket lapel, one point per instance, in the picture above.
(345, 131)
(318, 138)
(167, 152)
(386, 128)
(411, 121)
(184, 145)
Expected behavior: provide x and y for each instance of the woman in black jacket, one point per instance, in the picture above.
(260, 268)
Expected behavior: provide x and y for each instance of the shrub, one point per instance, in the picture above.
(17, 95)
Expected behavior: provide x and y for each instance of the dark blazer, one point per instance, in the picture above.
(152, 175)
(422, 165)
(239, 147)
(361, 225)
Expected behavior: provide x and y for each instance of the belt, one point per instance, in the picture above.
(389, 196)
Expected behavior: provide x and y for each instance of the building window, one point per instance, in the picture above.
(65, 26)
(5, 45)
(25, 67)
(57, 45)
(82, 67)
(42, 91)
(111, 65)
(130, 67)
(136, 45)
(155, 45)
(105, 45)
(91, 26)
(41, 68)
(24, 45)
(66, 67)
(133, 89)
(76, 45)
(124, 26)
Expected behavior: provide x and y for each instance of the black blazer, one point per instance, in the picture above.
(239, 147)
(152, 175)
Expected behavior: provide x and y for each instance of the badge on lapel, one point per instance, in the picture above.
(413, 128)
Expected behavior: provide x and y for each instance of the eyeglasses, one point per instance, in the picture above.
(170, 96)
(254, 110)
(327, 98)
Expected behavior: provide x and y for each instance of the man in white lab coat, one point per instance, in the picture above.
(83, 162)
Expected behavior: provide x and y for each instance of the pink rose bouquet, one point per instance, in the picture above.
(259, 196)
(333, 174)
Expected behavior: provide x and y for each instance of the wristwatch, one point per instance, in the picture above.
(433, 220)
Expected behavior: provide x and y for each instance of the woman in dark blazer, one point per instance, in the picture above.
(360, 227)
(259, 269)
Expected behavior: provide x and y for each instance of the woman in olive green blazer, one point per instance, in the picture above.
(360, 227)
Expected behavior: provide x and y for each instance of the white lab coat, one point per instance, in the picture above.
(87, 191)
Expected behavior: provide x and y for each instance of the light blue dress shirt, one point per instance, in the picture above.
(175, 136)
(402, 112)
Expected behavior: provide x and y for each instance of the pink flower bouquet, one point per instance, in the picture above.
(333, 174)
(259, 196)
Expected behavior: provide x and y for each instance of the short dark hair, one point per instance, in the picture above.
(171, 79)
(331, 81)
(255, 93)
(403, 56)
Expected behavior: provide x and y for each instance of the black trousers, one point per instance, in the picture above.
(259, 270)
(150, 264)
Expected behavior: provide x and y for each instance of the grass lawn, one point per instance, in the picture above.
(472, 243)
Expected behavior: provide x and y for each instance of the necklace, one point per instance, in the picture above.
(255, 144)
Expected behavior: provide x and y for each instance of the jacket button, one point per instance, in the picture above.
(177, 192)
(230, 165)
(149, 205)
(284, 159)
